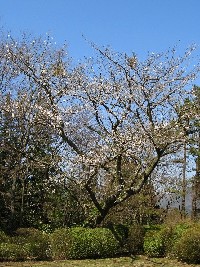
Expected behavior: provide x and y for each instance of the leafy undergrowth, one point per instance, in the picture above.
(139, 261)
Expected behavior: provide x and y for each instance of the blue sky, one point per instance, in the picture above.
(126, 25)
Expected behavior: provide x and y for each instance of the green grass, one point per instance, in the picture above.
(139, 261)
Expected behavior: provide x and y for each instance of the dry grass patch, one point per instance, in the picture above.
(140, 261)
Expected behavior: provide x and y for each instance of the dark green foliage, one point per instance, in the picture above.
(120, 232)
(161, 240)
(92, 243)
(180, 229)
(187, 248)
(153, 245)
(79, 243)
(171, 235)
(27, 243)
(181, 241)
(134, 242)
(10, 250)
(4, 238)
(13, 252)
(167, 236)
(60, 243)
(156, 240)
(35, 241)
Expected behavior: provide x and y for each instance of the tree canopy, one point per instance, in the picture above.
(112, 119)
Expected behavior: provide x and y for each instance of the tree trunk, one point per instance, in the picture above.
(196, 184)
(22, 204)
(12, 204)
(184, 180)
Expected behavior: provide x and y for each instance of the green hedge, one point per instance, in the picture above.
(181, 241)
(26, 243)
(13, 252)
(135, 239)
(36, 242)
(80, 243)
(4, 238)
(162, 240)
(74, 243)
(187, 248)
(154, 246)
(60, 243)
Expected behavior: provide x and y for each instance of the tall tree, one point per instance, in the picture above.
(195, 150)
(111, 112)
(28, 160)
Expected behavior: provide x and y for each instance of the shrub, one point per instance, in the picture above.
(36, 242)
(180, 228)
(120, 232)
(156, 239)
(92, 243)
(165, 234)
(10, 251)
(166, 240)
(79, 243)
(61, 243)
(160, 241)
(173, 217)
(174, 234)
(104, 243)
(47, 228)
(4, 238)
(135, 240)
(154, 246)
(13, 252)
(187, 248)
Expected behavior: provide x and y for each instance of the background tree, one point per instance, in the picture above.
(195, 151)
(29, 158)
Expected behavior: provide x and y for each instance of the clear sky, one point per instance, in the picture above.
(126, 25)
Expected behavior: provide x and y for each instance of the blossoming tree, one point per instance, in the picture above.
(117, 117)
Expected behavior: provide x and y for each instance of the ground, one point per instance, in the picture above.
(139, 261)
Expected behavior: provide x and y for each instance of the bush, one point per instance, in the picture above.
(154, 246)
(4, 238)
(79, 243)
(36, 242)
(187, 248)
(120, 232)
(93, 243)
(156, 240)
(61, 243)
(179, 229)
(13, 252)
(104, 243)
(47, 228)
(172, 234)
(10, 251)
(160, 241)
(135, 240)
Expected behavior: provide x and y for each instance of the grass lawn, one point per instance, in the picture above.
(140, 261)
